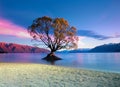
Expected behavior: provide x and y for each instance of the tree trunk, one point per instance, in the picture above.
(51, 57)
(51, 54)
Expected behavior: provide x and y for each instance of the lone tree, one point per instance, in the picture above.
(54, 33)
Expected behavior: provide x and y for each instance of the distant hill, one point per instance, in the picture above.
(112, 47)
(17, 48)
(81, 50)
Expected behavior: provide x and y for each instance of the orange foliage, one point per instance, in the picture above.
(55, 33)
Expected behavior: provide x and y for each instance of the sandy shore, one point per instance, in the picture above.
(38, 75)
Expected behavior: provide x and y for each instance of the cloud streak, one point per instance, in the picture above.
(9, 28)
(92, 34)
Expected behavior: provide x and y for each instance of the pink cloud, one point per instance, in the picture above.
(9, 28)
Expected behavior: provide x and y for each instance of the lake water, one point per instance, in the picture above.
(97, 61)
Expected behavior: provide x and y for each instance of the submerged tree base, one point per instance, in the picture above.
(51, 57)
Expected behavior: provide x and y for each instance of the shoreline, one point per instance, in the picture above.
(88, 69)
(40, 75)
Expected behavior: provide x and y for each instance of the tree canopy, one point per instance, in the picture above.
(55, 33)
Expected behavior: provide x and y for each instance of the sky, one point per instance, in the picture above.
(97, 21)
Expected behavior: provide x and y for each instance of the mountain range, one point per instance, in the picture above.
(112, 47)
(17, 48)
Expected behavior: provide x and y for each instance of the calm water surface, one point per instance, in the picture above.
(98, 61)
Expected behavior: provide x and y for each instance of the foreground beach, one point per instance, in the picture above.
(38, 75)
